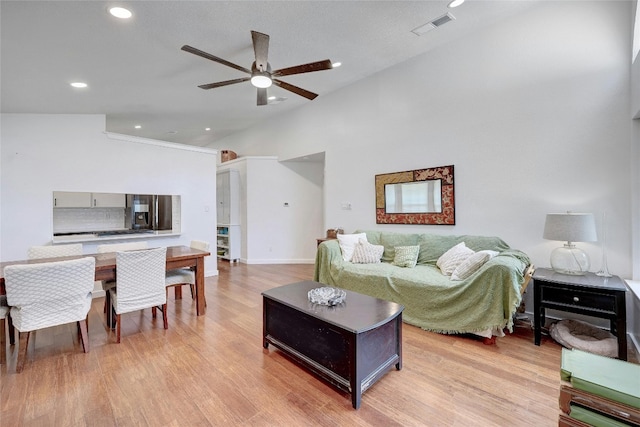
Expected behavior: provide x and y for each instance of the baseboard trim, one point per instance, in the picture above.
(277, 261)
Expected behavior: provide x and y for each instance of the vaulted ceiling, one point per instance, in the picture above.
(137, 74)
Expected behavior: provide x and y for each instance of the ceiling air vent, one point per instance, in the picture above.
(433, 24)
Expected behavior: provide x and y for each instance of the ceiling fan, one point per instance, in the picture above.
(261, 75)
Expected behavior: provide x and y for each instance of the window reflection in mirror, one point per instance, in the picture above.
(413, 197)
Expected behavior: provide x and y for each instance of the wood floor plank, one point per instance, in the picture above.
(213, 370)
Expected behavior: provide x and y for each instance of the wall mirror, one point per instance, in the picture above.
(421, 196)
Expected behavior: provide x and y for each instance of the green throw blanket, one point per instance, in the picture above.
(487, 299)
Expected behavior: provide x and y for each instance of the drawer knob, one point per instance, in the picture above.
(576, 299)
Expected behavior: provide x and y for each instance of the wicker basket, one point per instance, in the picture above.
(226, 155)
(333, 232)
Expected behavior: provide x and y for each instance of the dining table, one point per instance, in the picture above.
(177, 257)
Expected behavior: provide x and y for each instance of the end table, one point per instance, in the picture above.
(591, 295)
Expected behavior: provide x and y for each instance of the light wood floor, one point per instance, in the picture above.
(212, 370)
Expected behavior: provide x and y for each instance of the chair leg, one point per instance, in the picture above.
(22, 354)
(178, 291)
(153, 312)
(78, 326)
(193, 294)
(107, 310)
(12, 330)
(118, 328)
(84, 335)
(3, 342)
(110, 314)
(164, 316)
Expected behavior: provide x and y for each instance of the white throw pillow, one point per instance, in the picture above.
(366, 253)
(348, 243)
(455, 256)
(472, 264)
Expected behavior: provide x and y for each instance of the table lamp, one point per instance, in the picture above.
(570, 227)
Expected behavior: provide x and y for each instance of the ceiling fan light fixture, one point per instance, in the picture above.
(261, 79)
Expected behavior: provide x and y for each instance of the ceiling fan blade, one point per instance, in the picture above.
(304, 68)
(262, 96)
(214, 58)
(295, 89)
(261, 49)
(224, 83)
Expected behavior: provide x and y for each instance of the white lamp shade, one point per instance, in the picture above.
(570, 227)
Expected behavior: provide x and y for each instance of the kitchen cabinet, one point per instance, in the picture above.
(228, 197)
(73, 199)
(68, 199)
(228, 242)
(108, 200)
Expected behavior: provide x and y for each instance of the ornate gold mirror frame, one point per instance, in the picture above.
(430, 209)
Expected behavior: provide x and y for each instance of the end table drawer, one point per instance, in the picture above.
(579, 298)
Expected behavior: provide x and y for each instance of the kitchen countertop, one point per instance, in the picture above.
(99, 236)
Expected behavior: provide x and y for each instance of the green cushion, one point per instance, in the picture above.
(406, 256)
(433, 246)
(391, 240)
(611, 378)
(481, 243)
(594, 418)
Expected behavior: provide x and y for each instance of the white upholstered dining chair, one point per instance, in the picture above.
(4, 320)
(184, 276)
(108, 284)
(49, 294)
(54, 251)
(139, 284)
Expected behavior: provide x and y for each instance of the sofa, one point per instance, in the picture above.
(484, 303)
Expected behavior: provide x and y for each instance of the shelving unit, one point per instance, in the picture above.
(228, 242)
(228, 211)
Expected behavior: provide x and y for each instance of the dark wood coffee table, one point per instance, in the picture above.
(351, 345)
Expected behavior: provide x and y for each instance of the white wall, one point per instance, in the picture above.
(45, 153)
(533, 113)
(273, 233)
(635, 138)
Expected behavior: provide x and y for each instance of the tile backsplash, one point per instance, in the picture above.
(87, 219)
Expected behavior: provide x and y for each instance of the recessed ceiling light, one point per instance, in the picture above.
(207, 129)
(455, 3)
(120, 12)
(137, 126)
(271, 98)
(79, 84)
(336, 64)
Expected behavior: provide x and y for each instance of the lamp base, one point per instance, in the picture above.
(570, 260)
